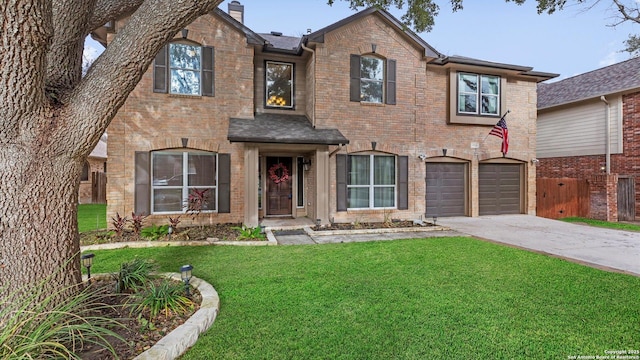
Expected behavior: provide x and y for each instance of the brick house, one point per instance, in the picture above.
(359, 121)
(96, 164)
(589, 128)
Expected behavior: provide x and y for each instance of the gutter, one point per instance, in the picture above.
(313, 88)
(607, 135)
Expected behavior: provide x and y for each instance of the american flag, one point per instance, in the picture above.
(500, 130)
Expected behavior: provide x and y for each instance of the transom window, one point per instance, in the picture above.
(478, 94)
(371, 79)
(279, 84)
(178, 174)
(371, 181)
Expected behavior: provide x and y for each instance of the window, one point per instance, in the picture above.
(279, 85)
(371, 181)
(300, 181)
(177, 174)
(373, 80)
(478, 94)
(184, 69)
(85, 172)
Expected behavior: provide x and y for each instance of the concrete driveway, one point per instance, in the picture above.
(615, 249)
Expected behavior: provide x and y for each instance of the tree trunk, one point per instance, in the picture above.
(39, 229)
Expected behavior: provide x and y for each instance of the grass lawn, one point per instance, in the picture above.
(408, 299)
(92, 217)
(604, 224)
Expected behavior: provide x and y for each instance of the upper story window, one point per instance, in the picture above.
(478, 94)
(371, 181)
(184, 69)
(373, 79)
(178, 175)
(279, 84)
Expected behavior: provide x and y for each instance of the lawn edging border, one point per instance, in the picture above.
(178, 341)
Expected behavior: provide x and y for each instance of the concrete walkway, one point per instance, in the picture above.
(614, 249)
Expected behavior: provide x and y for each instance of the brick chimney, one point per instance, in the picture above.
(236, 10)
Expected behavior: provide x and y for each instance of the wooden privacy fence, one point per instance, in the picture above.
(562, 197)
(99, 188)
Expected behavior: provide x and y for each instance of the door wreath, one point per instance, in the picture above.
(278, 173)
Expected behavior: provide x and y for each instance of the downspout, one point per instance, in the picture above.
(313, 88)
(607, 135)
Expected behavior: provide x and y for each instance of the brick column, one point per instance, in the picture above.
(604, 197)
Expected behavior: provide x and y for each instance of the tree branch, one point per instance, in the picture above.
(107, 10)
(97, 98)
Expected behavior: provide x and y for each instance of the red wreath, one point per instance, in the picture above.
(273, 173)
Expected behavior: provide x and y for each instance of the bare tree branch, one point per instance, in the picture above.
(107, 10)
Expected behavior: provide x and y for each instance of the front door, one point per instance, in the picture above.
(279, 175)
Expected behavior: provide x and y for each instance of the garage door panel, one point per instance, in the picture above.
(500, 189)
(445, 189)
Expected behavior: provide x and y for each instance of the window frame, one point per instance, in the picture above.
(478, 94)
(266, 86)
(170, 68)
(371, 186)
(185, 187)
(382, 82)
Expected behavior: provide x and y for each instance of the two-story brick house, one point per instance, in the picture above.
(359, 121)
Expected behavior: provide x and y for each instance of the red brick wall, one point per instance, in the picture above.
(585, 167)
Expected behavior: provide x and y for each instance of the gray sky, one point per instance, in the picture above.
(570, 42)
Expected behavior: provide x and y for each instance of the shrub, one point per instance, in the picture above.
(248, 233)
(166, 297)
(134, 274)
(119, 224)
(136, 222)
(38, 329)
(154, 232)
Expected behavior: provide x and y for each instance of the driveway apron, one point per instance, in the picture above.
(615, 249)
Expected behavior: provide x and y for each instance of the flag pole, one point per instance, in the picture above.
(505, 114)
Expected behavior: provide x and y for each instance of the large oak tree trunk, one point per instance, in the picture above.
(51, 119)
(38, 202)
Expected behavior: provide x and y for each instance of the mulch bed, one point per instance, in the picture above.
(138, 334)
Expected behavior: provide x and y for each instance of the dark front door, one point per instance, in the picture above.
(279, 176)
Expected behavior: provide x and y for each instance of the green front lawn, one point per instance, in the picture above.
(409, 299)
(604, 224)
(92, 217)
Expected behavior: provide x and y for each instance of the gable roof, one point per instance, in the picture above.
(318, 36)
(616, 78)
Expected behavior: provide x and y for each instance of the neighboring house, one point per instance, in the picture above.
(359, 121)
(89, 191)
(589, 128)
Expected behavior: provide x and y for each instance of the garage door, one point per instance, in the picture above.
(445, 189)
(499, 189)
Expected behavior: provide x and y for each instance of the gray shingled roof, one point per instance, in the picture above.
(612, 79)
(277, 128)
(282, 42)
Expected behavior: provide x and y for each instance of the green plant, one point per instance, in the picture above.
(119, 224)
(248, 233)
(154, 232)
(38, 329)
(165, 297)
(133, 274)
